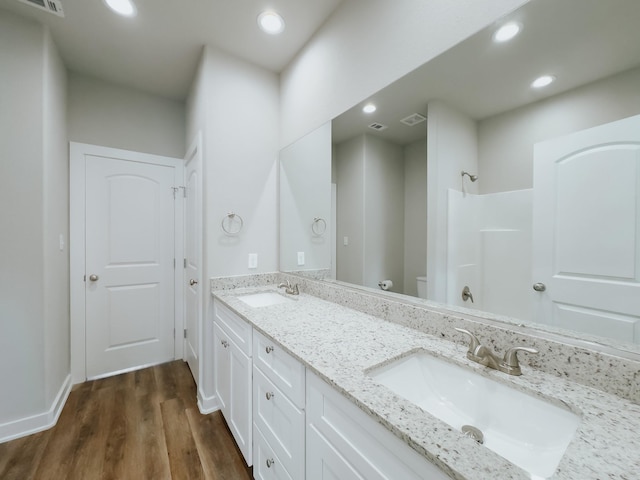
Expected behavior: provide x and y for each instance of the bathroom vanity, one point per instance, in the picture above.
(320, 407)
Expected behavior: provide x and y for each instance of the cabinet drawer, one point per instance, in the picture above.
(238, 329)
(280, 422)
(282, 369)
(266, 464)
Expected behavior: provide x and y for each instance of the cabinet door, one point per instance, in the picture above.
(239, 408)
(366, 446)
(221, 369)
(324, 462)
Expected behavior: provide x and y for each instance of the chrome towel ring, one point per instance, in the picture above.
(319, 226)
(232, 223)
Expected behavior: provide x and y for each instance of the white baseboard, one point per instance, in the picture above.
(39, 422)
(207, 405)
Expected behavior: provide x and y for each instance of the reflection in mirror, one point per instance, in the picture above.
(381, 183)
(500, 235)
(306, 237)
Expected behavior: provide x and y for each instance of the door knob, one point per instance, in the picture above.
(193, 282)
(539, 287)
(93, 278)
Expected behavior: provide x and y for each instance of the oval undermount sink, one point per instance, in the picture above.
(525, 430)
(263, 299)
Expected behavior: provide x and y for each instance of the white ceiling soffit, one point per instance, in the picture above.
(158, 50)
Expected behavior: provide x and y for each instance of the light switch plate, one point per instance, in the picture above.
(300, 258)
(345, 241)
(253, 260)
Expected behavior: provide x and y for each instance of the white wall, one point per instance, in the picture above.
(370, 206)
(102, 113)
(34, 279)
(241, 162)
(505, 141)
(305, 194)
(383, 213)
(366, 45)
(235, 106)
(349, 167)
(415, 215)
(21, 200)
(56, 222)
(452, 147)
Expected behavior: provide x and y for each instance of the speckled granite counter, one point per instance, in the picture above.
(341, 344)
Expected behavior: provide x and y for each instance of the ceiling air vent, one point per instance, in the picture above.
(377, 126)
(51, 6)
(413, 119)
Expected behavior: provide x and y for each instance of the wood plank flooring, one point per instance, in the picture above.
(139, 425)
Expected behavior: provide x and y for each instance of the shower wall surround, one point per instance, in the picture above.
(559, 355)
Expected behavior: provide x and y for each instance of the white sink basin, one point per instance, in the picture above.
(263, 299)
(525, 430)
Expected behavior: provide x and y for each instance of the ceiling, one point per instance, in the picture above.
(578, 41)
(158, 50)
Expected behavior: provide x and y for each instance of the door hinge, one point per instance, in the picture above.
(174, 263)
(84, 279)
(184, 263)
(184, 191)
(185, 333)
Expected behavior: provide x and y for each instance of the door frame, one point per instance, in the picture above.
(77, 250)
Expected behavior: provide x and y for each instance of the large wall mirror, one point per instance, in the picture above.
(470, 188)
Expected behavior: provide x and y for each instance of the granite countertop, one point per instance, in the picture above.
(341, 345)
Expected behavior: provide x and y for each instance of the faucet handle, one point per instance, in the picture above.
(474, 343)
(510, 361)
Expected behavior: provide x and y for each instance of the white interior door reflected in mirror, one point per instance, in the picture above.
(586, 219)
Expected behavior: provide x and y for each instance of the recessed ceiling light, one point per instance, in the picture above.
(542, 81)
(271, 22)
(369, 108)
(125, 8)
(506, 32)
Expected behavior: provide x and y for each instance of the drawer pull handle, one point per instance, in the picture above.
(269, 395)
(224, 343)
(269, 349)
(270, 462)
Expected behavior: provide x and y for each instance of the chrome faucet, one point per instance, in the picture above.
(484, 356)
(288, 288)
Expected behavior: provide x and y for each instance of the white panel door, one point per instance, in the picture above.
(129, 265)
(586, 230)
(193, 256)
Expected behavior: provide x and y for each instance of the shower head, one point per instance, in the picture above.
(473, 178)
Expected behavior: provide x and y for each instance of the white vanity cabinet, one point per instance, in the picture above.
(344, 443)
(278, 412)
(232, 338)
